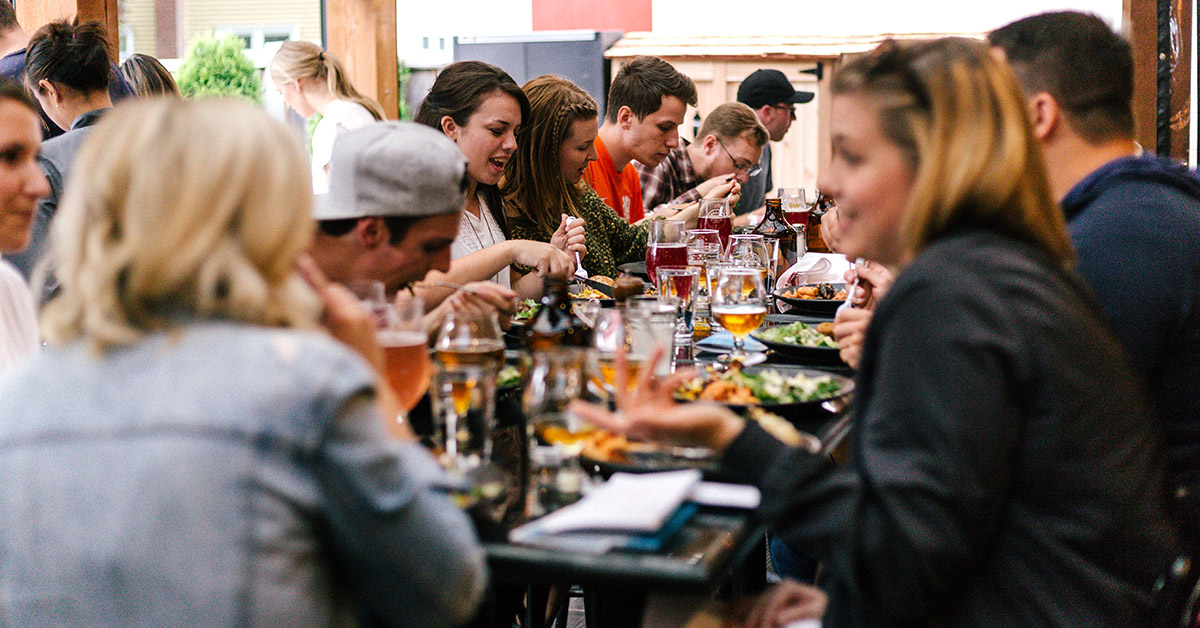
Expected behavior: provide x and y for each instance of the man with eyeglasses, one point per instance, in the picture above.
(772, 97)
(723, 157)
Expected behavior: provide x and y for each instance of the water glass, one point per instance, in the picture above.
(469, 352)
(556, 377)
(677, 288)
(652, 324)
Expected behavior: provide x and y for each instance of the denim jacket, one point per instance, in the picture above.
(219, 475)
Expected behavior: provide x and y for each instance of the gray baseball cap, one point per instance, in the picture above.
(393, 169)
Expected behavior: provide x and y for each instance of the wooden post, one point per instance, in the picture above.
(33, 14)
(1160, 33)
(362, 33)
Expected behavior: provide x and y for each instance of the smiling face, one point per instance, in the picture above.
(21, 180)
(871, 178)
(651, 138)
(488, 139)
(578, 149)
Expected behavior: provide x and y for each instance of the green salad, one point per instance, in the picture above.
(508, 377)
(526, 308)
(766, 386)
(799, 334)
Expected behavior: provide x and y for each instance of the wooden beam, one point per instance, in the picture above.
(1141, 20)
(362, 33)
(33, 14)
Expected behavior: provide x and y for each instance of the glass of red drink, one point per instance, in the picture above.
(715, 213)
(666, 245)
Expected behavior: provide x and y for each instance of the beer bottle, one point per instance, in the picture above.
(556, 324)
(774, 226)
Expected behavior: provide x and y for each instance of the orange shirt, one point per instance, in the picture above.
(621, 191)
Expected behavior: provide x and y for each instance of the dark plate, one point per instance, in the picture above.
(812, 307)
(637, 269)
(805, 413)
(575, 288)
(800, 354)
(651, 462)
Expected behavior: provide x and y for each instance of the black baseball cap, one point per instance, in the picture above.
(768, 87)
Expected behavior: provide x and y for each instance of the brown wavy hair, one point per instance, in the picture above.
(533, 185)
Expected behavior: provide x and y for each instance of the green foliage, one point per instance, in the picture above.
(219, 68)
(403, 72)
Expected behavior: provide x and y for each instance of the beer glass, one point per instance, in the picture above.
(739, 304)
(556, 377)
(405, 350)
(469, 352)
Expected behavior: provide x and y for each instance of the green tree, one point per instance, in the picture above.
(215, 67)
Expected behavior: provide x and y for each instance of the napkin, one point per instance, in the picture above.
(722, 342)
(814, 268)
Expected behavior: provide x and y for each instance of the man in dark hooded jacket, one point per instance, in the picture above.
(1134, 218)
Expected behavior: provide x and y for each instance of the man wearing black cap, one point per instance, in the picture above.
(772, 97)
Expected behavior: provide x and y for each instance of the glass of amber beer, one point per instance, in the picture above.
(405, 349)
(739, 304)
(469, 352)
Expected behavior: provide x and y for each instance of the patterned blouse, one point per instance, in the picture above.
(611, 240)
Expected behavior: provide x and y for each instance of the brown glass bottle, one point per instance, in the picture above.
(555, 324)
(775, 226)
(823, 204)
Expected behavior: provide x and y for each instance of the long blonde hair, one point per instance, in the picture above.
(533, 185)
(959, 114)
(181, 209)
(304, 59)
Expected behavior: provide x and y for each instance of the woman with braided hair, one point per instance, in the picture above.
(313, 81)
(543, 180)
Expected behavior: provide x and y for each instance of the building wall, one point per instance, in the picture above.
(299, 17)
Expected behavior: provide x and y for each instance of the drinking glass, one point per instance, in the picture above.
(406, 366)
(469, 351)
(739, 304)
(715, 213)
(704, 246)
(665, 245)
(611, 334)
(677, 288)
(555, 433)
(651, 325)
(751, 250)
(372, 296)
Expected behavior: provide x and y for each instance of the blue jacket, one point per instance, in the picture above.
(225, 475)
(1135, 224)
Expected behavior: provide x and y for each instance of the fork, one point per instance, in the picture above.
(580, 273)
(849, 302)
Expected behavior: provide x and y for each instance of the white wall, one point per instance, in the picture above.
(857, 17)
(438, 19)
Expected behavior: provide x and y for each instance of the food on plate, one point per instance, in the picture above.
(606, 446)
(815, 291)
(767, 386)
(508, 377)
(799, 334)
(826, 328)
(588, 292)
(526, 308)
(604, 279)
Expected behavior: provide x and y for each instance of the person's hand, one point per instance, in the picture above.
(784, 603)
(484, 298)
(726, 188)
(648, 411)
(874, 280)
(543, 257)
(831, 230)
(849, 330)
(710, 184)
(570, 236)
(343, 316)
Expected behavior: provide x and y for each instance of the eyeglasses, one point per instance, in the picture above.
(749, 169)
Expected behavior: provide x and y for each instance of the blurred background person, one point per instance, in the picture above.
(67, 71)
(190, 434)
(21, 185)
(480, 107)
(646, 104)
(544, 178)
(147, 76)
(714, 166)
(314, 81)
(771, 95)
(1134, 218)
(993, 408)
(13, 40)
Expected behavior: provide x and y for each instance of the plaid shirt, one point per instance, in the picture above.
(672, 182)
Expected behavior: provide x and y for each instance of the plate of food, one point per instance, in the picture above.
(801, 342)
(820, 299)
(588, 293)
(795, 393)
(605, 453)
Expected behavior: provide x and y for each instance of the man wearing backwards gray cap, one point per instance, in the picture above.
(396, 190)
(771, 95)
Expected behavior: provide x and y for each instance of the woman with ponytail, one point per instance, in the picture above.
(314, 81)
